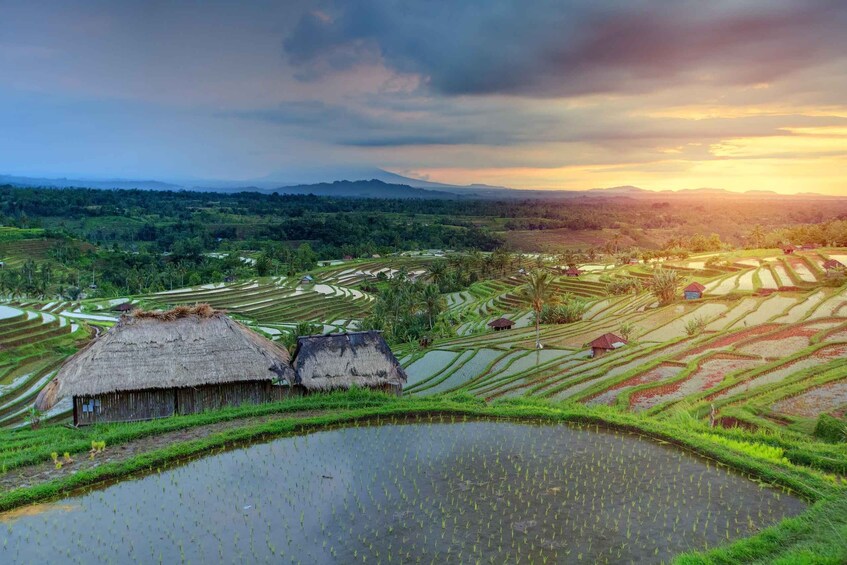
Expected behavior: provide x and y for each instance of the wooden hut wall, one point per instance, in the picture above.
(150, 404)
(127, 406)
(192, 400)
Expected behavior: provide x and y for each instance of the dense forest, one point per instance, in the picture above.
(142, 241)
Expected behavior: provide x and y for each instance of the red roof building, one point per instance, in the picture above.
(605, 343)
(693, 291)
(788, 249)
(572, 272)
(831, 264)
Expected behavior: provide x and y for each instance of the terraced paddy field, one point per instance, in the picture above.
(480, 491)
(757, 346)
(276, 300)
(34, 340)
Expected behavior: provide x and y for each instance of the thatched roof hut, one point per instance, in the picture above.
(501, 324)
(339, 361)
(185, 348)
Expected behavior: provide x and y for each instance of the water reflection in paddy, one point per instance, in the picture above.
(439, 492)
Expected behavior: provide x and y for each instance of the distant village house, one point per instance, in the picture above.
(694, 291)
(832, 265)
(124, 307)
(501, 324)
(606, 343)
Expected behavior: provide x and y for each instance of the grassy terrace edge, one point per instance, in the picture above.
(819, 535)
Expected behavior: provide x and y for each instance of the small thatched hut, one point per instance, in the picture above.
(501, 324)
(124, 307)
(154, 365)
(339, 361)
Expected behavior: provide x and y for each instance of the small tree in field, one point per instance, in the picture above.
(538, 291)
(626, 330)
(665, 283)
(695, 326)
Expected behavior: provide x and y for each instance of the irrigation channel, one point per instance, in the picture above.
(434, 491)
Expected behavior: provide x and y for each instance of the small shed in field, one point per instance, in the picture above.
(339, 361)
(572, 272)
(501, 324)
(832, 265)
(307, 279)
(605, 343)
(693, 291)
(788, 249)
(157, 364)
(124, 307)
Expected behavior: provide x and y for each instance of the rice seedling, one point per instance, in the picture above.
(441, 489)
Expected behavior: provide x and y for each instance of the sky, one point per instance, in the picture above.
(675, 94)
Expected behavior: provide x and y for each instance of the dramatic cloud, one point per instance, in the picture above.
(571, 48)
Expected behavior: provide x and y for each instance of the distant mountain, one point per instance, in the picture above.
(372, 188)
(385, 184)
(108, 184)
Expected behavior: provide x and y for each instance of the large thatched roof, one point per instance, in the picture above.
(338, 361)
(180, 348)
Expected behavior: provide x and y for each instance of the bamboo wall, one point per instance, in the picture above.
(150, 404)
(214, 397)
(124, 406)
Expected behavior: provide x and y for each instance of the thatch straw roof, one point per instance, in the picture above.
(179, 348)
(48, 397)
(338, 361)
(501, 323)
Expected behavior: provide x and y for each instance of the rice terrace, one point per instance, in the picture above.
(446, 282)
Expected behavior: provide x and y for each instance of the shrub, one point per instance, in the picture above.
(665, 283)
(617, 287)
(831, 429)
(695, 326)
(835, 277)
(568, 311)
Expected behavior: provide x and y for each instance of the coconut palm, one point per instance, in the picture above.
(539, 291)
(433, 303)
(438, 272)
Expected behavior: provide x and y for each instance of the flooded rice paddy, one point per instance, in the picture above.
(469, 491)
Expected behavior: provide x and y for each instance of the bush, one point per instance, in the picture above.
(617, 287)
(835, 277)
(831, 429)
(695, 326)
(567, 312)
(665, 283)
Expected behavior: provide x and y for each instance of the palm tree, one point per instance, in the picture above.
(539, 291)
(438, 272)
(433, 303)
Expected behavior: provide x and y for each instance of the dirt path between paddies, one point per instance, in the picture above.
(32, 475)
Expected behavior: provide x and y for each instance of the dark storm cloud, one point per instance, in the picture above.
(570, 48)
